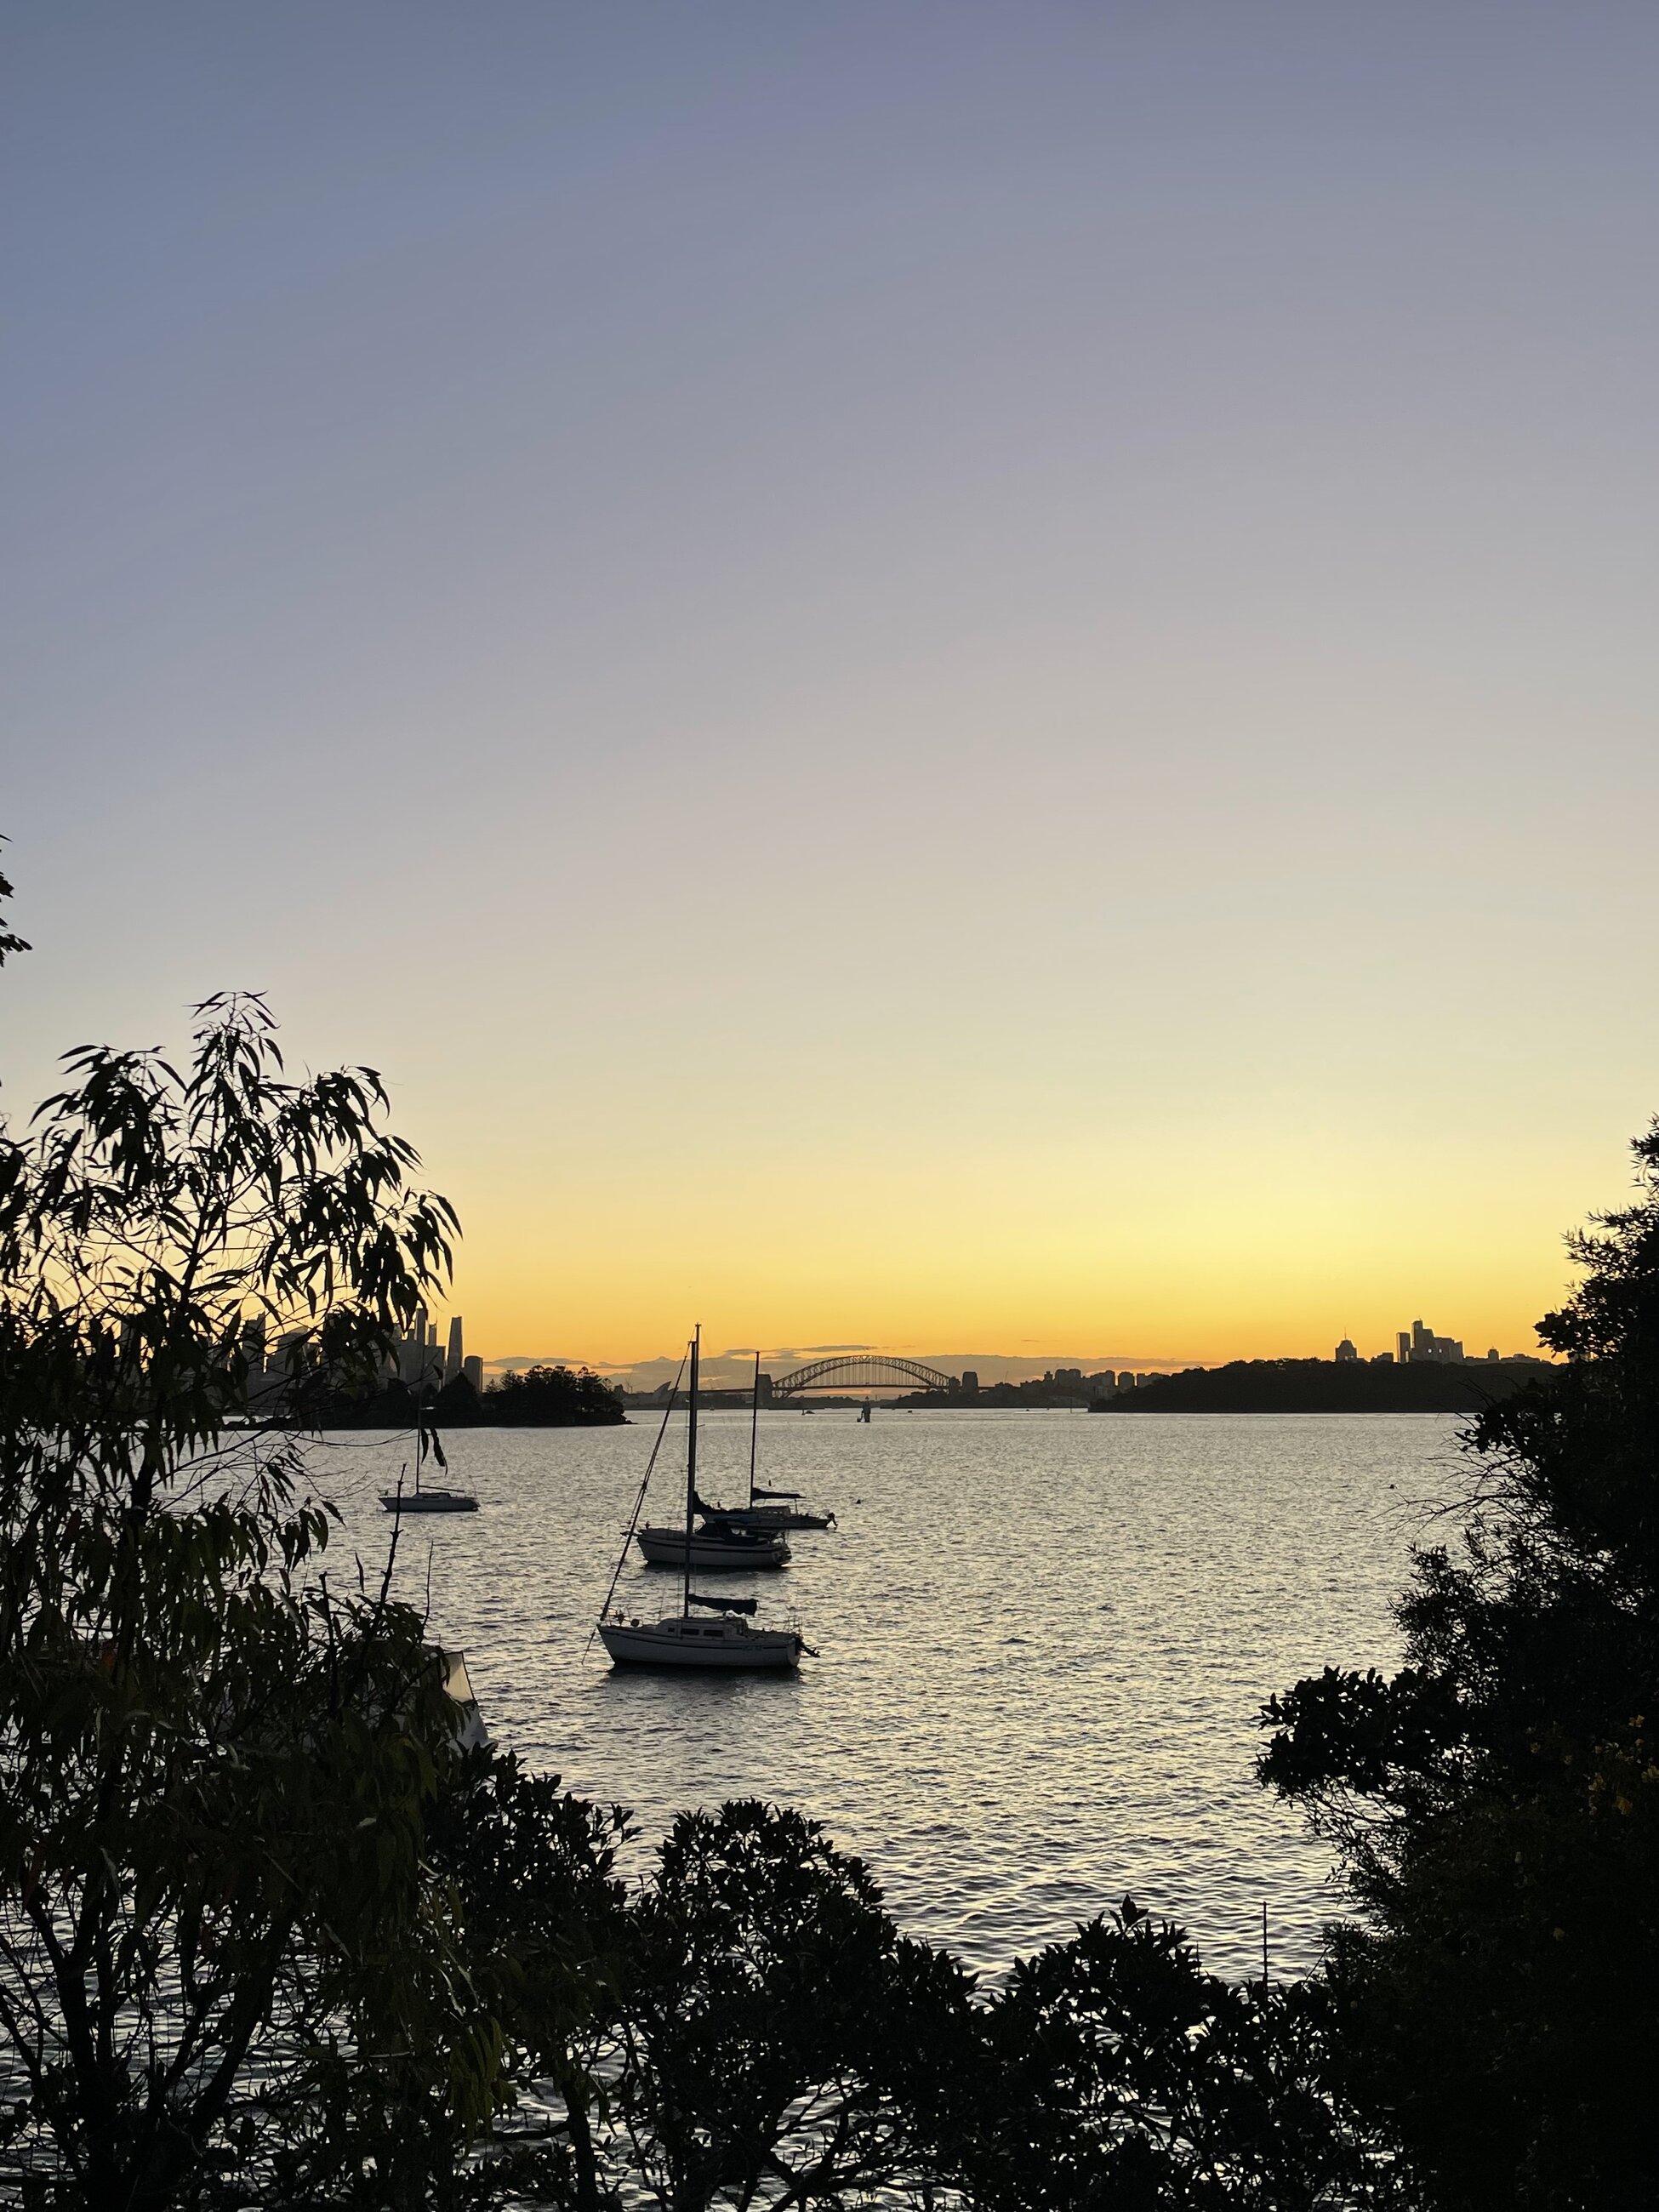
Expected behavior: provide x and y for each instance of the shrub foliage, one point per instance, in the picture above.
(1497, 1802)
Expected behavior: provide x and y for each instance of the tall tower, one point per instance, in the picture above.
(413, 1351)
(452, 1356)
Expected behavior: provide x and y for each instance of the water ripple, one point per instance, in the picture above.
(1044, 1641)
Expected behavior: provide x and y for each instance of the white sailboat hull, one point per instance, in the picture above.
(429, 1501)
(665, 1548)
(725, 1643)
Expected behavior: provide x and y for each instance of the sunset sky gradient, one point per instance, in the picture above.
(942, 675)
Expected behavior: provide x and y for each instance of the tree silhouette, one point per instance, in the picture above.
(1497, 1802)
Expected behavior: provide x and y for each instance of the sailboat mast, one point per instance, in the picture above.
(754, 1425)
(690, 1472)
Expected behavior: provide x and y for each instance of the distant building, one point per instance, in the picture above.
(419, 1362)
(969, 1380)
(1492, 1353)
(1421, 1344)
(453, 1359)
(1064, 1375)
(1345, 1351)
(472, 1368)
(1126, 1380)
(269, 1366)
(411, 1351)
(1381, 1359)
(1425, 1344)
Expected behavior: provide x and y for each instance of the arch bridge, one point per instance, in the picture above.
(862, 1371)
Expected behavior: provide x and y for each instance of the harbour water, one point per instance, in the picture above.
(1044, 1639)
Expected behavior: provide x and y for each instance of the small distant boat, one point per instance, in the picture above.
(431, 1501)
(686, 1640)
(428, 1499)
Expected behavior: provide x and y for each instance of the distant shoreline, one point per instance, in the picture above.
(1330, 1386)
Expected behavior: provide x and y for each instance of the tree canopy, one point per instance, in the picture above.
(550, 1397)
(1495, 1801)
(213, 1762)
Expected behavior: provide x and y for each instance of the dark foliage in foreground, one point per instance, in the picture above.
(1123, 2074)
(10, 940)
(752, 2030)
(771, 2021)
(1497, 1802)
(215, 1934)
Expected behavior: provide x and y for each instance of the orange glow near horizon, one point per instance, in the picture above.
(1283, 1267)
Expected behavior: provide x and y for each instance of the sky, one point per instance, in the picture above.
(957, 674)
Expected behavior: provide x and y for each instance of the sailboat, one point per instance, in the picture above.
(720, 1544)
(688, 1639)
(429, 1499)
(716, 1539)
(770, 1509)
(470, 1734)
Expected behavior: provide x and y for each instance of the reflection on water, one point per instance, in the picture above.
(1044, 1640)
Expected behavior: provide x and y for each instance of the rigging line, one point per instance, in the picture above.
(754, 1429)
(691, 1471)
(638, 1507)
